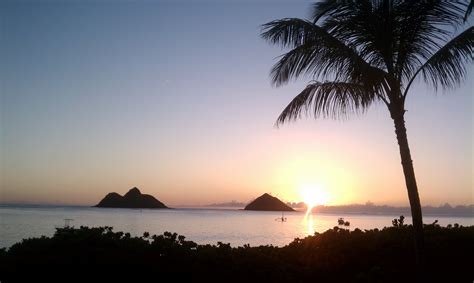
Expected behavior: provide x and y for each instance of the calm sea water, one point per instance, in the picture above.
(204, 226)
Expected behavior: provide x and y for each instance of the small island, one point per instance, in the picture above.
(133, 199)
(267, 202)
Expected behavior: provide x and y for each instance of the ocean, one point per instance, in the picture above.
(203, 226)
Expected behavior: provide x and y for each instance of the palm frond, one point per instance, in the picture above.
(288, 32)
(421, 27)
(469, 10)
(446, 67)
(396, 36)
(329, 100)
(315, 52)
(325, 7)
(364, 26)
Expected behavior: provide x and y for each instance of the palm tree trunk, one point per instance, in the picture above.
(410, 181)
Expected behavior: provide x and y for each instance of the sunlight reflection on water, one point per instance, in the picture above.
(308, 219)
(308, 222)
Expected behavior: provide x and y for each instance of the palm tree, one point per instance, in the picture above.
(360, 53)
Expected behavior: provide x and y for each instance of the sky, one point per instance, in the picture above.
(175, 98)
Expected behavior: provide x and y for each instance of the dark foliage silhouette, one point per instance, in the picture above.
(360, 53)
(337, 255)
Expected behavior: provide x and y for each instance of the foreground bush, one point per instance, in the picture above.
(339, 255)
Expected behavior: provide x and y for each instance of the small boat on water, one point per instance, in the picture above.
(67, 224)
(282, 218)
(341, 222)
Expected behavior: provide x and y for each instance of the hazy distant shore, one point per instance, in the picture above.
(445, 210)
(364, 209)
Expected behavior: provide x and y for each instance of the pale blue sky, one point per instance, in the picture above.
(174, 97)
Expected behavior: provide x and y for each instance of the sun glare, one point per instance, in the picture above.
(313, 195)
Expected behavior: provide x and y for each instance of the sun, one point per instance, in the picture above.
(313, 195)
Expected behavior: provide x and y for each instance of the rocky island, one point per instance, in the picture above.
(267, 202)
(133, 199)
